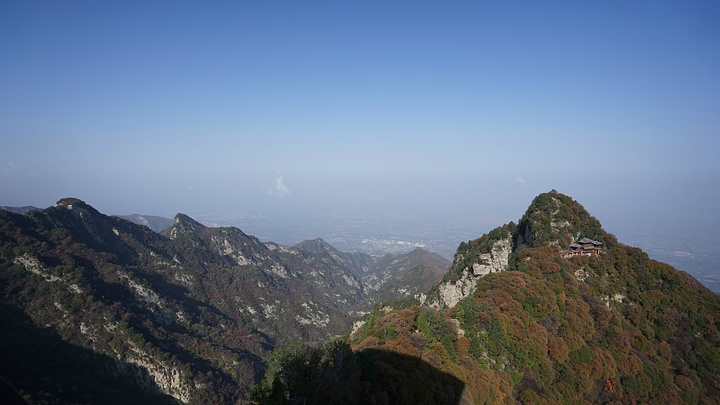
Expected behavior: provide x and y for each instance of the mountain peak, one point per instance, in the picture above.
(68, 202)
(183, 224)
(556, 219)
(184, 220)
(553, 220)
(316, 245)
(76, 205)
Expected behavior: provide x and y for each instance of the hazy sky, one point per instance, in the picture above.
(441, 109)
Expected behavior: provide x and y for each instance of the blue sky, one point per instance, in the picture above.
(442, 110)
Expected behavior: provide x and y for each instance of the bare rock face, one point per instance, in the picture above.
(451, 293)
(494, 262)
(156, 376)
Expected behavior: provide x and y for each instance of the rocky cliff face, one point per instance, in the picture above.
(450, 292)
(155, 376)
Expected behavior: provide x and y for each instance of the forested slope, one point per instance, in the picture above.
(613, 327)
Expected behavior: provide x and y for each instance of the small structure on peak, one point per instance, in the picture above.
(585, 247)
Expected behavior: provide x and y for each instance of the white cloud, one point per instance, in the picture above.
(279, 189)
(520, 180)
(10, 168)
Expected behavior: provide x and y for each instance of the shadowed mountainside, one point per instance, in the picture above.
(335, 374)
(53, 371)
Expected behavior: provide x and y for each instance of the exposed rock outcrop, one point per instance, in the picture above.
(496, 261)
(155, 376)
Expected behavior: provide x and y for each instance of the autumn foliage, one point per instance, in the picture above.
(617, 328)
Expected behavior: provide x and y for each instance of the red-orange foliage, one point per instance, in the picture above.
(488, 387)
(409, 315)
(402, 344)
(503, 303)
(607, 363)
(584, 377)
(620, 344)
(611, 387)
(630, 365)
(397, 320)
(578, 326)
(538, 334)
(558, 350)
(434, 357)
(462, 345)
(371, 341)
(540, 262)
(602, 316)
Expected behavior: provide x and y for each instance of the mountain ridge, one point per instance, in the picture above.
(209, 300)
(192, 306)
(20, 210)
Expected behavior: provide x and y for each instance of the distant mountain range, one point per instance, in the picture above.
(20, 210)
(389, 277)
(156, 223)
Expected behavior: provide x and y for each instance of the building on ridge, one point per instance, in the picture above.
(585, 247)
